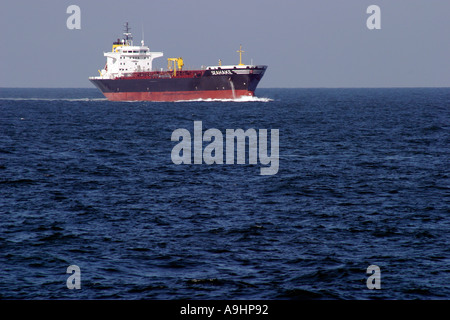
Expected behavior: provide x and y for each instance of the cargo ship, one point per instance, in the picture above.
(128, 75)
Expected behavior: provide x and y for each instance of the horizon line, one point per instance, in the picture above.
(312, 87)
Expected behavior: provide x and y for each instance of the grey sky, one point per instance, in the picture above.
(315, 43)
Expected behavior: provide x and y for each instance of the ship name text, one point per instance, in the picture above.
(221, 72)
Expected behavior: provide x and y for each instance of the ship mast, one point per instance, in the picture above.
(127, 34)
(240, 51)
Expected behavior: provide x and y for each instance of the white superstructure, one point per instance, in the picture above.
(125, 58)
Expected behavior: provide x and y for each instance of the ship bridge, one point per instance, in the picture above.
(125, 58)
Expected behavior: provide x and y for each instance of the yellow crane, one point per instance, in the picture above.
(174, 63)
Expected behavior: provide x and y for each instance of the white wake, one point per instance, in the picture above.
(239, 99)
(55, 99)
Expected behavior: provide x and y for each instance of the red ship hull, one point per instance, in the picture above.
(176, 96)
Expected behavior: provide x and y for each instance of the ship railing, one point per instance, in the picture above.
(163, 74)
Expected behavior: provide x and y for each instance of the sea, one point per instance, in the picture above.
(92, 205)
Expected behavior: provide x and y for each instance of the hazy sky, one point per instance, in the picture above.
(314, 43)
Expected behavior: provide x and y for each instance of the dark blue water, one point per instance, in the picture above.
(363, 180)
